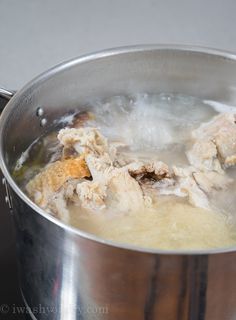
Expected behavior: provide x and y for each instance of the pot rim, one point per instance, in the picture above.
(68, 64)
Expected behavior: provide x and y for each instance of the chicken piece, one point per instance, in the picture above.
(52, 178)
(184, 185)
(84, 140)
(92, 195)
(209, 181)
(150, 172)
(100, 168)
(124, 193)
(58, 202)
(197, 184)
(212, 128)
(204, 156)
(111, 187)
(188, 187)
(57, 206)
(119, 193)
(215, 144)
(225, 142)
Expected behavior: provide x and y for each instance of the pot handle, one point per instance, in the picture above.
(5, 96)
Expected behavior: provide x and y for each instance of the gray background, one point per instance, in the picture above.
(36, 34)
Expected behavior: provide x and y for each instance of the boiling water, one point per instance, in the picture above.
(149, 127)
(153, 126)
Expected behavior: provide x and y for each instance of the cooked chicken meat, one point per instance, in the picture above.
(92, 195)
(84, 140)
(130, 187)
(53, 177)
(149, 172)
(215, 144)
(184, 185)
(123, 192)
(111, 187)
(209, 181)
(204, 156)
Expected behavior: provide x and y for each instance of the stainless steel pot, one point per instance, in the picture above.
(68, 274)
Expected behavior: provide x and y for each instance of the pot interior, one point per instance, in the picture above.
(206, 75)
(32, 112)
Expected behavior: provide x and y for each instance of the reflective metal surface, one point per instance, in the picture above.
(5, 96)
(10, 295)
(74, 275)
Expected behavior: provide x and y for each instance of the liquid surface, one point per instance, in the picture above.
(156, 127)
(172, 225)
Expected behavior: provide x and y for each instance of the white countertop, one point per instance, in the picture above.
(37, 34)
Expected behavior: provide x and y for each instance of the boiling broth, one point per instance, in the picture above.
(156, 127)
